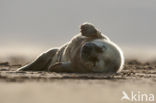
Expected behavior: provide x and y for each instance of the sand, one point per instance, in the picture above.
(45, 87)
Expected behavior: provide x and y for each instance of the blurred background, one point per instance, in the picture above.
(30, 27)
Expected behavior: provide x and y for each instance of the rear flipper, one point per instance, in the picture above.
(41, 63)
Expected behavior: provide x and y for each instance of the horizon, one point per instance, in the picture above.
(34, 26)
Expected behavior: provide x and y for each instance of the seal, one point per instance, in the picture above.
(88, 52)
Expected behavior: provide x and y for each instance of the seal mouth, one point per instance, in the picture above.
(91, 62)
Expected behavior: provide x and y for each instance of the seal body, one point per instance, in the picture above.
(89, 51)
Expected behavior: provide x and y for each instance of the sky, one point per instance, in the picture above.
(37, 25)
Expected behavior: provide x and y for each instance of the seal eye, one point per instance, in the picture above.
(88, 47)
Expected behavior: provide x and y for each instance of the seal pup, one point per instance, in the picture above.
(88, 52)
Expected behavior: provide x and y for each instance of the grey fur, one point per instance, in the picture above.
(69, 57)
(41, 63)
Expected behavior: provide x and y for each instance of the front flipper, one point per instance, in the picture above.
(61, 67)
(89, 30)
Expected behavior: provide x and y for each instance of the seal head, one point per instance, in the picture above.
(101, 56)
